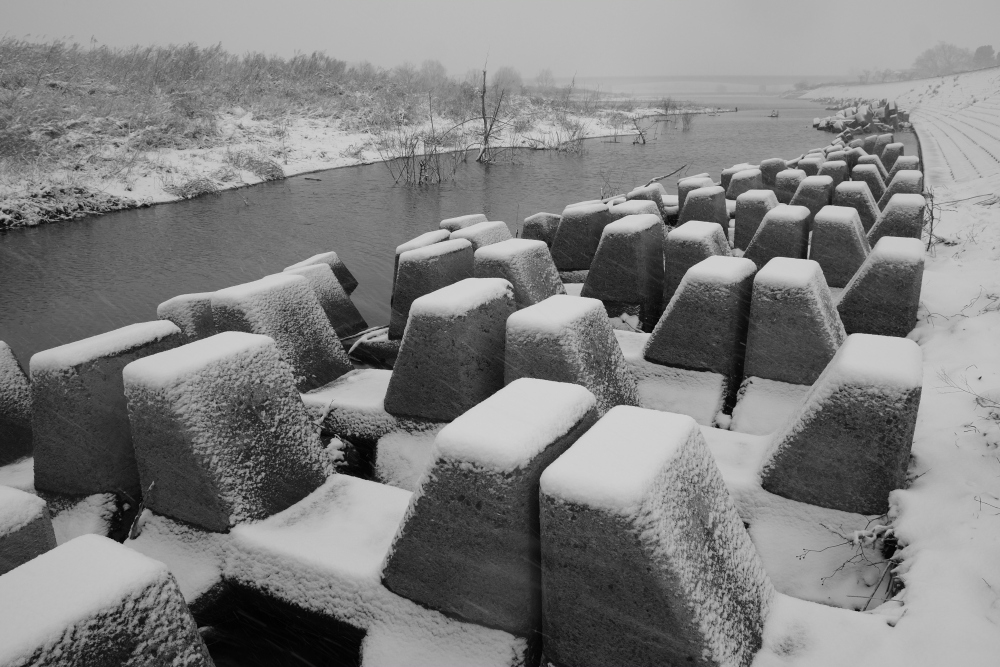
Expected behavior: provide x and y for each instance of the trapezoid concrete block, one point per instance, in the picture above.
(881, 142)
(422, 241)
(877, 162)
(425, 270)
(783, 232)
(869, 143)
(541, 227)
(578, 235)
(909, 182)
(284, 307)
(687, 245)
(341, 312)
(727, 174)
(848, 445)
(786, 184)
(904, 163)
(838, 244)
(192, 313)
(751, 207)
(653, 192)
(811, 165)
(331, 259)
(868, 173)
(892, 153)
(645, 560)
(856, 143)
(837, 156)
(794, 326)
(25, 529)
(769, 170)
(635, 207)
(835, 169)
(688, 185)
(857, 195)
(483, 233)
(526, 265)
(82, 440)
(884, 295)
(569, 339)
(744, 181)
(708, 204)
(469, 545)
(852, 156)
(903, 216)
(814, 192)
(15, 408)
(452, 354)
(462, 221)
(221, 430)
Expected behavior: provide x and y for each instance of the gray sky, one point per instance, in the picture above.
(620, 38)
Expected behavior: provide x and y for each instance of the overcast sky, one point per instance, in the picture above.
(589, 38)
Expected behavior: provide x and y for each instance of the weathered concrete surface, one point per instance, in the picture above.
(421, 241)
(578, 235)
(786, 183)
(811, 164)
(904, 163)
(884, 295)
(868, 173)
(909, 181)
(688, 185)
(727, 174)
(877, 162)
(744, 181)
(769, 170)
(192, 313)
(857, 195)
(340, 311)
(835, 169)
(708, 204)
(15, 408)
(903, 216)
(838, 244)
(814, 193)
(541, 227)
(424, 270)
(331, 259)
(783, 232)
(526, 264)
(687, 245)
(751, 207)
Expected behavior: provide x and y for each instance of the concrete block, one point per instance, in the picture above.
(908, 181)
(462, 221)
(794, 327)
(852, 156)
(744, 181)
(92, 601)
(783, 232)
(452, 354)
(653, 193)
(814, 192)
(837, 156)
(892, 153)
(857, 195)
(708, 204)
(25, 529)
(903, 216)
(751, 207)
(340, 311)
(421, 241)
(848, 445)
(856, 143)
(786, 184)
(904, 163)
(881, 142)
(469, 545)
(578, 235)
(690, 184)
(424, 270)
(728, 173)
(687, 245)
(192, 313)
(82, 441)
(868, 173)
(526, 265)
(769, 170)
(220, 428)
(869, 143)
(835, 169)
(838, 244)
(810, 165)
(569, 339)
(284, 307)
(483, 233)
(635, 207)
(628, 267)
(15, 408)
(541, 227)
(884, 294)
(645, 560)
(874, 160)
(340, 270)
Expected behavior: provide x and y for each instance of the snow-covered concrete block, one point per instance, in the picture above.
(635, 207)
(881, 142)
(483, 233)
(909, 181)
(783, 232)
(469, 544)
(284, 307)
(645, 560)
(687, 185)
(884, 295)
(751, 207)
(708, 204)
(452, 354)
(82, 442)
(331, 259)
(541, 227)
(15, 408)
(904, 163)
(744, 181)
(92, 601)
(856, 143)
(652, 193)
(569, 339)
(853, 155)
(835, 169)
(705, 325)
(837, 156)
(868, 173)
(25, 529)
(848, 445)
(769, 170)
(727, 174)
(786, 184)
(838, 244)
(462, 221)
(857, 195)
(424, 270)
(814, 192)
(341, 312)
(763, 406)
(526, 265)
(192, 313)
(687, 245)
(877, 162)
(794, 327)
(628, 267)
(811, 165)
(892, 152)
(422, 241)
(868, 144)
(903, 216)
(220, 429)
(578, 235)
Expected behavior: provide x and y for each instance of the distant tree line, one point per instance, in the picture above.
(941, 59)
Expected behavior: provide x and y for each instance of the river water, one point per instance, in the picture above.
(64, 282)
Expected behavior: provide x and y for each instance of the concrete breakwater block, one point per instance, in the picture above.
(340, 311)
(751, 207)
(422, 241)
(881, 142)
(835, 169)
(569, 339)
(687, 185)
(25, 529)
(868, 173)
(220, 428)
(192, 313)
(687, 245)
(469, 545)
(857, 195)
(837, 156)
(331, 259)
(838, 244)
(483, 233)
(635, 207)
(628, 267)
(541, 227)
(786, 184)
(909, 182)
(578, 235)
(744, 181)
(727, 174)
(452, 355)
(653, 193)
(284, 307)
(769, 170)
(794, 327)
(849, 443)
(852, 156)
(424, 270)
(903, 216)
(92, 601)
(884, 295)
(869, 143)
(708, 204)
(15, 408)
(811, 165)
(877, 162)
(526, 265)
(462, 221)
(82, 441)
(814, 192)
(892, 153)
(645, 560)
(856, 143)
(904, 163)
(783, 232)
(704, 327)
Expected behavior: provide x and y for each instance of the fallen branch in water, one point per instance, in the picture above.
(660, 178)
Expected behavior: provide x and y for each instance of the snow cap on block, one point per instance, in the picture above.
(743, 181)
(25, 529)
(426, 239)
(527, 264)
(17, 509)
(462, 221)
(167, 369)
(707, 203)
(331, 259)
(102, 345)
(908, 181)
(459, 298)
(483, 233)
(192, 313)
(883, 296)
(903, 216)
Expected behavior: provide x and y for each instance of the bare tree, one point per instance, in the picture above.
(984, 57)
(943, 59)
